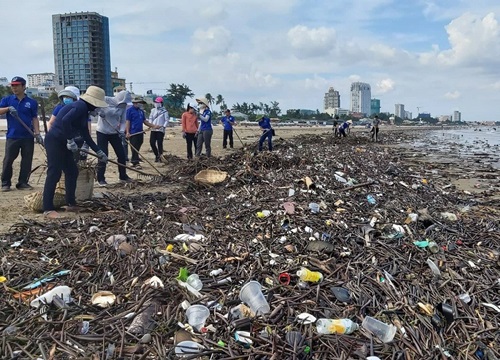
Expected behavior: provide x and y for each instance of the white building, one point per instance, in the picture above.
(400, 111)
(41, 80)
(361, 95)
(408, 115)
(331, 101)
(457, 116)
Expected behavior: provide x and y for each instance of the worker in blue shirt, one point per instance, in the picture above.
(20, 109)
(134, 130)
(228, 122)
(267, 133)
(344, 129)
(62, 150)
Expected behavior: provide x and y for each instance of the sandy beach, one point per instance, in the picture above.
(13, 207)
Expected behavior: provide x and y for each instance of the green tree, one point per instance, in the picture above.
(176, 95)
(209, 98)
(275, 109)
(219, 100)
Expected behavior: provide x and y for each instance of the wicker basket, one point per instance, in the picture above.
(210, 177)
(34, 201)
(84, 184)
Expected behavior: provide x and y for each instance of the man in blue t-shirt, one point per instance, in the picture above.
(267, 133)
(20, 109)
(135, 118)
(228, 122)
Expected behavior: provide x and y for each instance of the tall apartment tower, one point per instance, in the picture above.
(81, 51)
(332, 99)
(400, 111)
(361, 95)
(457, 116)
(374, 106)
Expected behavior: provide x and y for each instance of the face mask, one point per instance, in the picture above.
(67, 101)
(141, 106)
(202, 106)
(157, 105)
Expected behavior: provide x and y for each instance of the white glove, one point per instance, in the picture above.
(102, 156)
(12, 110)
(71, 146)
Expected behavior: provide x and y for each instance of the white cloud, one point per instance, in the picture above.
(385, 86)
(310, 42)
(215, 40)
(452, 95)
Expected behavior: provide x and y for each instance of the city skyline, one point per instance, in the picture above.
(437, 55)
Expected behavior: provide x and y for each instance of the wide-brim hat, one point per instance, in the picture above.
(66, 93)
(138, 99)
(203, 100)
(95, 96)
(349, 121)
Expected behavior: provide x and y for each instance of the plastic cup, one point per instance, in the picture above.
(251, 294)
(314, 208)
(195, 282)
(381, 330)
(187, 348)
(197, 315)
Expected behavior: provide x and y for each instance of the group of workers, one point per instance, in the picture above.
(344, 128)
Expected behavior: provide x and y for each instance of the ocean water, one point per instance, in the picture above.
(480, 144)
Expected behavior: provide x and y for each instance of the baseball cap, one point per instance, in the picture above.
(17, 80)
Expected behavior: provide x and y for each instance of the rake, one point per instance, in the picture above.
(140, 172)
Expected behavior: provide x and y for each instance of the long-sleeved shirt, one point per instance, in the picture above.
(72, 121)
(136, 117)
(111, 119)
(205, 120)
(189, 123)
(159, 116)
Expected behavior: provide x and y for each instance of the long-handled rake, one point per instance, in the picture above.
(234, 130)
(140, 172)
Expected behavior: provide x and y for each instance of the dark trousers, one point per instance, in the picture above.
(12, 149)
(227, 134)
(267, 134)
(374, 132)
(156, 142)
(135, 146)
(116, 143)
(125, 147)
(191, 143)
(59, 159)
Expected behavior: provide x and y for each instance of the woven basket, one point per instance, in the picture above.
(34, 201)
(84, 184)
(210, 177)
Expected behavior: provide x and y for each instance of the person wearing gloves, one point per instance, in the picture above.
(62, 149)
(267, 133)
(19, 108)
(110, 121)
(133, 128)
(228, 122)
(205, 130)
(189, 123)
(344, 128)
(158, 117)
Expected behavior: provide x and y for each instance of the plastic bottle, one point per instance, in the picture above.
(336, 326)
(215, 272)
(371, 200)
(307, 275)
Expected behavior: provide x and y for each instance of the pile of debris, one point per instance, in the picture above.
(251, 268)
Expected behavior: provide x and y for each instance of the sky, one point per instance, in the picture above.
(435, 56)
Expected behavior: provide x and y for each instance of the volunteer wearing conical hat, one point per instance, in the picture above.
(205, 130)
(344, 128)
(70, 122)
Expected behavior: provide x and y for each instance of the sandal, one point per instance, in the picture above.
(52, 214)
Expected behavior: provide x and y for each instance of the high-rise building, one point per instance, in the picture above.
(374, 106)
(361, 95)
(81, 50)
(457, 116)
(331, 100)
(45, 80)
(400, 111)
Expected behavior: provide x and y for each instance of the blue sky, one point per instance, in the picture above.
(439, 55)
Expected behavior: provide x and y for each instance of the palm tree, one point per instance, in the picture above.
(210, 99)
(220, 101)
